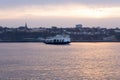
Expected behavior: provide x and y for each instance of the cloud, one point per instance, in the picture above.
(65, 11)
(15, 3)
(59, 12)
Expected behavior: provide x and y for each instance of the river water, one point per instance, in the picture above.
(77, 61)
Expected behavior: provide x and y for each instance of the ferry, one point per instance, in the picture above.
(58, 39)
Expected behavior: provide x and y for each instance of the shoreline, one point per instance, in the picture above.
(42, 42)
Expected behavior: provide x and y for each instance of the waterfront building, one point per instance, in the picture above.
(79, 26)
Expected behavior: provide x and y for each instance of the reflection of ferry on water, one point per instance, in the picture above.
(58, 39)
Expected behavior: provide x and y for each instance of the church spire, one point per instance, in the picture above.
(26, 26)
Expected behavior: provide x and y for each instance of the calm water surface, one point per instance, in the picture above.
(77, 61)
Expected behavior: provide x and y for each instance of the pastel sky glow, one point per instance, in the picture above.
(62, 13)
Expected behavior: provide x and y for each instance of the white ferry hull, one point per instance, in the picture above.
(58, 39)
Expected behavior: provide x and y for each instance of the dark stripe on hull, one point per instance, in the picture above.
(57, 42)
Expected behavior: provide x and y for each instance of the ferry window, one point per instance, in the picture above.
(55, 40)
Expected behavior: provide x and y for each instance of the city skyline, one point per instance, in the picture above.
(62, 13)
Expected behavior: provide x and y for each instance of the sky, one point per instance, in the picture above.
(61, 13)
